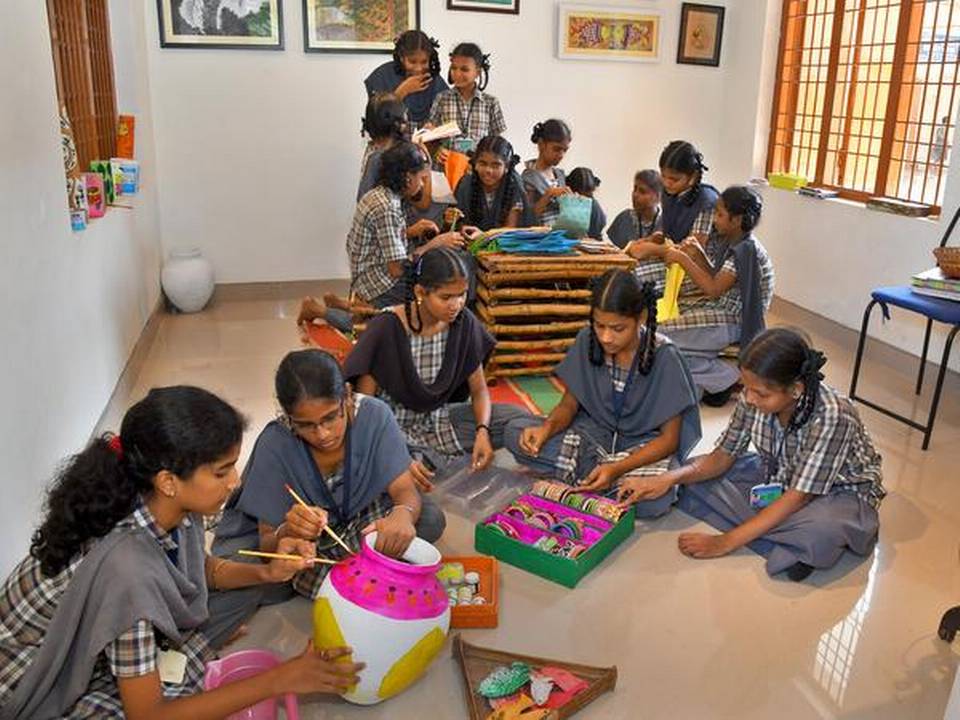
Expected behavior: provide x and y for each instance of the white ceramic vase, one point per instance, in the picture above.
(187, 280)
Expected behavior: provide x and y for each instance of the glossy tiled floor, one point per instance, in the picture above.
(691, 639)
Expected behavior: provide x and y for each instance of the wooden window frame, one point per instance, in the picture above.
(897, 113)
(83, 67)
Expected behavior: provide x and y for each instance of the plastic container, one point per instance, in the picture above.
(246, 664)
(479, 616)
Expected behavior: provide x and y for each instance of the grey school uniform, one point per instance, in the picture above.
(535, 184)
(628, 226)
(707, 326)
(830, 457)
(599, 434)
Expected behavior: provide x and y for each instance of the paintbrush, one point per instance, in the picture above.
(326, 528)
(283, 556)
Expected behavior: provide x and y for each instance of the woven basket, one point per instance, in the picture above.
(948, 258)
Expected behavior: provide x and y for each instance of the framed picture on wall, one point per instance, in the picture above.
(223, 24)
(701, 30)
(357, 26)
(603, 32)
(511, 7)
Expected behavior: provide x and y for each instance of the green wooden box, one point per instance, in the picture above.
(560, 570)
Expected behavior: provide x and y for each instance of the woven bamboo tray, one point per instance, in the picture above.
(495, 371)
(507, 358)
(477, 662)
(547, 328)
(508, 262)
(535, 310)
(535, 345)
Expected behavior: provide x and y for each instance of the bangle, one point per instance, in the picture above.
(218, 564)
(405, 507)
(278, 529)
(483, 426)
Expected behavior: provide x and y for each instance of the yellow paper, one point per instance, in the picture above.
(667, 306)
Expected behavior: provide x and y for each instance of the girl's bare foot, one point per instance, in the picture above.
(311, 309)
(335, 301)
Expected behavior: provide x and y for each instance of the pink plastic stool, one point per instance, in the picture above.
(245, 664)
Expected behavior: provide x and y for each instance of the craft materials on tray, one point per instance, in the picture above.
(501, 685)
(555, 531)
(393, 613)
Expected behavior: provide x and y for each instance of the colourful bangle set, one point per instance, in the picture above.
(590, 504)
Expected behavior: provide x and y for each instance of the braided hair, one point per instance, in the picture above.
(473, 51)
(743, 201)
(784, 357)
(397, 162)
(176, 429)
(412, 41)
(621, 292)
(552, 130)
(682, 157)
(385, 117)
(508, 191)
(582, 180)
(432, 270)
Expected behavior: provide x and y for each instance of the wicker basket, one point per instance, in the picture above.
(948, 258)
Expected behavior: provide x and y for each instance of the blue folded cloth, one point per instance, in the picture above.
(555, 242)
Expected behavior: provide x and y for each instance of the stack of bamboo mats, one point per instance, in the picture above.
(534, 305)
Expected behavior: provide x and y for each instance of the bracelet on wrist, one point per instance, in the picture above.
(405, 507)
(483, 426)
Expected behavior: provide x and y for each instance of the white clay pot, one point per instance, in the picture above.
(394, 614)
(187, 280)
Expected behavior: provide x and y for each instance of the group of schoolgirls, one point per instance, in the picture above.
(118, 605)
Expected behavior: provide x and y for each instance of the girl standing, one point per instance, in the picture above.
(491, 196)
(113, 594)
(735, 277)
(543, 181)
(413, 75)
(812, 489)
(582, 181)
(425, 359)
(630, 407)
(477, 113)
(343, 453)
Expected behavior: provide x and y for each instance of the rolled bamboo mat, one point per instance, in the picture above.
(534, 345)
(556, 328)
(535, 310)
(504, 358)
(493, 279)
(492, 295)
(496, 371)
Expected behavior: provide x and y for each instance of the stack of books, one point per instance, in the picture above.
(934, 283)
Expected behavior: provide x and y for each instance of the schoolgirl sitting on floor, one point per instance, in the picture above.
(811, 490)
(630, 406)
(425, 359)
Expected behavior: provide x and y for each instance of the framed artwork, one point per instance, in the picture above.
(511, 7)
(604, 32)
(701, 30)
(357, 26)
(224, 24)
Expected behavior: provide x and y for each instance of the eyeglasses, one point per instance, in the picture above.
(328, 422)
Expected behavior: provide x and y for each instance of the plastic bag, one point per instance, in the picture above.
(574, 217)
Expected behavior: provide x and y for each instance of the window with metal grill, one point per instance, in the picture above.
(83, 65)
(866, 96)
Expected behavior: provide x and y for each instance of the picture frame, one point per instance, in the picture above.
(605, 32)
(217, 25)
(701, 34)
(505, 7)
(336, 26)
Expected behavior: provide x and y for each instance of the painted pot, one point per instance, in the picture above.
(187, 280)
(393, 613)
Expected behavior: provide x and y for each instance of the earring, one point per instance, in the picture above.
(419, 302)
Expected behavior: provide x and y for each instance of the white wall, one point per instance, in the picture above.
(71, 305)
(261, 150)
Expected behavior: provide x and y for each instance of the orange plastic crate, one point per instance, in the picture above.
(478, 616)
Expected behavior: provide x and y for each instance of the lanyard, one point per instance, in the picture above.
(343, 511)
(772, 463)
(465, 124)
(620, 396)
